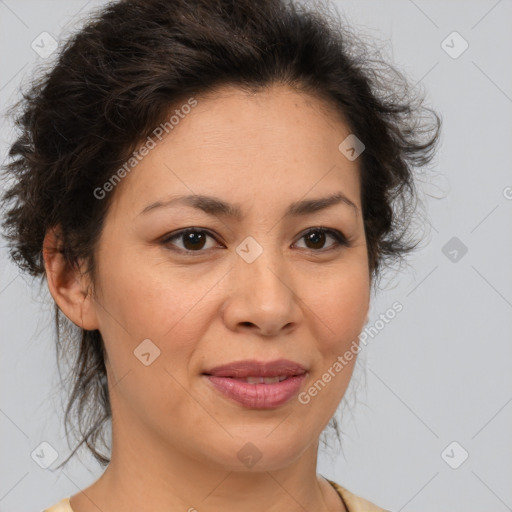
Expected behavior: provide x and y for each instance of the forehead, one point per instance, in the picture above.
(269, 144)
(277, 116)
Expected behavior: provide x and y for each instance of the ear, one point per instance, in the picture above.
(70, 288)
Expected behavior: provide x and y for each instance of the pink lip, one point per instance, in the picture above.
(258, 396)
(253, 368)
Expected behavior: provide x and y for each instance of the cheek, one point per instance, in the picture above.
(141, 302)
(338, 315)
(144, 299)
(338, 307)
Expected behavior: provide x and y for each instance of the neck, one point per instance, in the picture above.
(145, 473)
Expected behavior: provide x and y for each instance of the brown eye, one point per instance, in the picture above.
(193, 240)
(316, 238)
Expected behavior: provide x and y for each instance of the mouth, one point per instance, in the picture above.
(261, 380)
(258, 385)
(250, 369)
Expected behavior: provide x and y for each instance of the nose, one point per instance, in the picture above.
(262, 296)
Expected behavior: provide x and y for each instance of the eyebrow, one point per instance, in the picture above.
(215, 206)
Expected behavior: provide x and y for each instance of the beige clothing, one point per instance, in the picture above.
(352, 502)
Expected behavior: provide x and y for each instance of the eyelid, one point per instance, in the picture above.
(166, 239)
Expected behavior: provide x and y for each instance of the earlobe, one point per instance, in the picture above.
(68, 286)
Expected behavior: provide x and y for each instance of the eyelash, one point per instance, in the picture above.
(340, 239)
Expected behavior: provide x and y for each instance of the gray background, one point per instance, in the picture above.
(437, 373)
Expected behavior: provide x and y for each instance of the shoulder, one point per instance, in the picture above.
(355, 503)
(62, 506)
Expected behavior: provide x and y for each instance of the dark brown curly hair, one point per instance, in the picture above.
(117, 78)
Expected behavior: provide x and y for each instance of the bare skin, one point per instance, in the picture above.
(175, 437)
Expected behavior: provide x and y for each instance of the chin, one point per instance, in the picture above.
(257, 452)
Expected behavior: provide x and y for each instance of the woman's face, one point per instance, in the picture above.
(260, 286)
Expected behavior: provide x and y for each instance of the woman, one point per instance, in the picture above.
(211, 189)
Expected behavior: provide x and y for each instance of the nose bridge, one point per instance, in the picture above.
(261, 267)
(262, 290)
